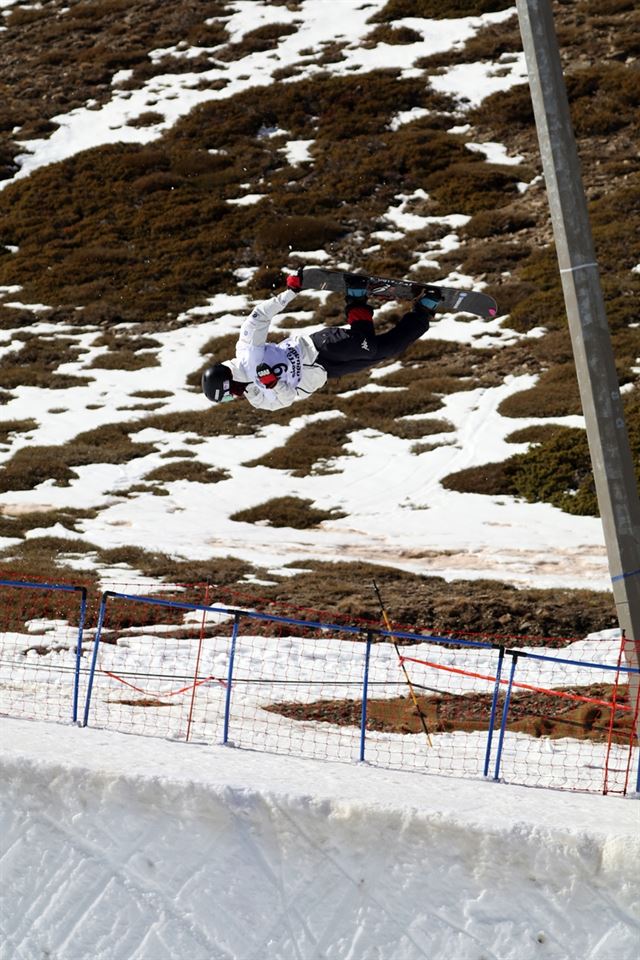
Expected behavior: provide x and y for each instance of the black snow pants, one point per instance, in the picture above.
(343, 350)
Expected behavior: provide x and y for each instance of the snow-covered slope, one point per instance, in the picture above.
(397, 512)
(139, 850)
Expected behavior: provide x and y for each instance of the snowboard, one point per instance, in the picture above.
(452, 299)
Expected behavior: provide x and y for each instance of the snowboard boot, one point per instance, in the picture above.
(356, 308)
(355, 286)
(426, 303)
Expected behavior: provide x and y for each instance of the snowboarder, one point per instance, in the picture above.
(271, 376)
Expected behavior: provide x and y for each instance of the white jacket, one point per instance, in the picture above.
(293, 360)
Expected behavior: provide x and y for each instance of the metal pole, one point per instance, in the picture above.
(196, 669)
(94, 658)
(494, 707)
(365, 697)
(76, 680)
(232, 657)
(505, 714)
(613, 471)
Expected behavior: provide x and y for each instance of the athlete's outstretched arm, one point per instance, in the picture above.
(254, 330)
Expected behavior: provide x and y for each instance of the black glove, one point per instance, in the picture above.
(266, 376)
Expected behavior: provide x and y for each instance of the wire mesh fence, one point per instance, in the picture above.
(41, 628)
(180, 664)
(155, 655)
(561, 723)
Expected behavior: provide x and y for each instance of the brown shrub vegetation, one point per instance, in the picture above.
(491, 479)
(310, 448)
(557, 469)
(8, 427)
(392, 35)
(554, 395)
(536, 434)
(436, 9)
(172, 569)
(472, 185)
(31, 466)
(16, 525)
(287, 512)
(56, 60)
(491, 223)
(168, 200)
(256, 41)
(35, 363)
(604, 98)
(446, 608)
(189, 470)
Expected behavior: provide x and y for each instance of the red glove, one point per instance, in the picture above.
(266, 376)
(294, 282)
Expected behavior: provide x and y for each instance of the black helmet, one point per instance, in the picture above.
(216, 383)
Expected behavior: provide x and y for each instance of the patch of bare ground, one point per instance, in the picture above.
(535, 714)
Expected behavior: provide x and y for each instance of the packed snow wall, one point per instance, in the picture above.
(149, 850)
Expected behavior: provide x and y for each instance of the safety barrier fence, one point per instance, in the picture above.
(211, 673)
(41, 627)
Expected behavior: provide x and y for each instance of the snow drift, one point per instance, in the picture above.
(145, 849)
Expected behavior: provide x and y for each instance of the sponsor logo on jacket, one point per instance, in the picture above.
(294, 359)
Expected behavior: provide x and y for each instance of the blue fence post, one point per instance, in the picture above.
(505, 712)
(76, 679)
(365, 694)
(232, 656)
(94, 657)
(494, 707)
